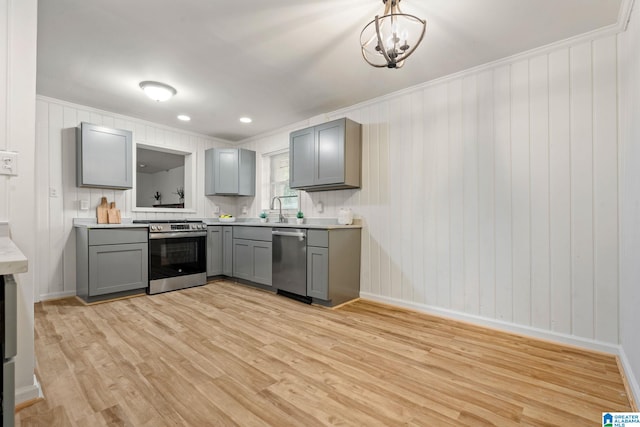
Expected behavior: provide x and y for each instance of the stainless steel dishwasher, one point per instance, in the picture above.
(290, 263)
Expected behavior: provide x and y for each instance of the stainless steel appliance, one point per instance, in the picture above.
(177, 254)
(289, 270)
(8, 316)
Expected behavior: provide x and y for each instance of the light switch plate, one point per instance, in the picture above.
(8, 163)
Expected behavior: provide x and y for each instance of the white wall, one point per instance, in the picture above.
(629, 147)
(18, 28)
(166, 182)
(56, 168)
(493, 193)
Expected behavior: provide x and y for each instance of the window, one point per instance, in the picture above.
(276, 167)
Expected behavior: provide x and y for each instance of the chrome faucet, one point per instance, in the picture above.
(280, 216)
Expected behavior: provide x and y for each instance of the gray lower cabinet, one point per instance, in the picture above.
(252, 251)
(252, 261)
(227, 250)
(318, 272)
(111, 262)
(104, 157)
(230, 172)
(215, 251)
(333, 265)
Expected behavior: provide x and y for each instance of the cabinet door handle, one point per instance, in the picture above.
(288, 234)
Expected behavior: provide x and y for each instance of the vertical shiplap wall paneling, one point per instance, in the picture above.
(486, 196)
(384, 197)
(605, 177)
(408, 203)
(42, 196)
(520, 193)
(70, 199)
(582, 288)
(56, 172)
(561, 304)
(4, 86)
(502, 183)
(495, 193)
(416, 229)
(375, 218)
(539, 149)
(456, 196)
(396, 147)
(470, 194)
(442, 201)
(57, 238)
(84, 193)
(430, 236)
(366, 276)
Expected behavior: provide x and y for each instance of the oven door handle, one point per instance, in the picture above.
(177, 235)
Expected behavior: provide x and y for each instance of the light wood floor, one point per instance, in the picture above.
(225, 354)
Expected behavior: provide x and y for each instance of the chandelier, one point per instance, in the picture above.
(391, 38)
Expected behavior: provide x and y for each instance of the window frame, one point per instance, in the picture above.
(267, 159)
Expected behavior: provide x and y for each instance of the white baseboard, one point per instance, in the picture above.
(631, 378)
(56, 295)
(499, 324)
(30, 392)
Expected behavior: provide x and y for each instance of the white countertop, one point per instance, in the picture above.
(315, 223)
(93, 223)
(12, 260)
(319, 224)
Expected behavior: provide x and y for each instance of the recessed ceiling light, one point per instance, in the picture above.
(157, 91)
(245, 119)
(142, 165)
(184, 117)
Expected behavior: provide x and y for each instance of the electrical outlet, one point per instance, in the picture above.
(84, 205)
(245, 210)
(8, 163)
(53, 192)
(216, 210)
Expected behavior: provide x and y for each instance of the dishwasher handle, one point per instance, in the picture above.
(289, 234)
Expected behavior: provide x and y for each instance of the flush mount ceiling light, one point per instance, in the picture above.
(157, 91)
(246, 119)
(391, 38)
(184, 117)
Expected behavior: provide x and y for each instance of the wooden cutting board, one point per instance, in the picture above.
(113, 214)
(101, 211)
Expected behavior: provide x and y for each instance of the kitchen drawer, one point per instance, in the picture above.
(318, 238)
(117, 236)
(252, 233)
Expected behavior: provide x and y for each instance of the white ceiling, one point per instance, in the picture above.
(155, 161)
(278, 62)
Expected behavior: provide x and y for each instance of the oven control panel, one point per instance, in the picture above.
(159, 228)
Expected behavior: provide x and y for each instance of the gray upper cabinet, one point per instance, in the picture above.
(326, 156)
(301, 158)
(104, 157)
(230, 172)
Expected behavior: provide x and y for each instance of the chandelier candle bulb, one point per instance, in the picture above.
(391, 38)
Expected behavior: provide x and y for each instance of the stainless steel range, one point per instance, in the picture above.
(177, 254)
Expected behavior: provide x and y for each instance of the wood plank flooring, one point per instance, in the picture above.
(225, 354)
